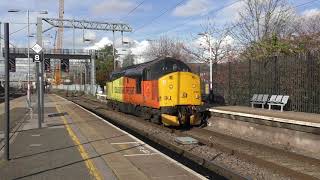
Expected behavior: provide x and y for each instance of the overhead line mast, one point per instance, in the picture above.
(59, 45)
(60, 29)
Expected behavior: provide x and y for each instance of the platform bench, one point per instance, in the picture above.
(259, 99)
(278, 100)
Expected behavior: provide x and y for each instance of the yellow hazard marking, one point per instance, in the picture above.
(91, 167)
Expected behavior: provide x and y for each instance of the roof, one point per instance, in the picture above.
(137, 69)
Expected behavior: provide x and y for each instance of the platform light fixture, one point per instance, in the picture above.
(205, 34)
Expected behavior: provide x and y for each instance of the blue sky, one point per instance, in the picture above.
(182, 21)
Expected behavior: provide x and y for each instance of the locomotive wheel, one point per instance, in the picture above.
(117, 108)
(156, 119)
(137, 111)
(146, 113)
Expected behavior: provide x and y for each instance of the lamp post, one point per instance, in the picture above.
(28, 14)
(210, 63)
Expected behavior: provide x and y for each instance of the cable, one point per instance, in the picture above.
(164, 12)
(306, 3)
(9, 42)
(191, 18)
(223, 7)
(18, 30)
(132, 10)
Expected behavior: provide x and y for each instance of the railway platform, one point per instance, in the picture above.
(298, 121)
(76, 144)
(18, 110)
(297, 132)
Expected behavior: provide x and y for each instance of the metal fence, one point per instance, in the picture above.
(296, 75)
(77, 87)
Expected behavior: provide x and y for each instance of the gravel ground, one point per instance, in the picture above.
(230, 161)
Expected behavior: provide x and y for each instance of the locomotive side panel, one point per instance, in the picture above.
(109, 90)
(130, 92)
(150, 93)
(117, 89)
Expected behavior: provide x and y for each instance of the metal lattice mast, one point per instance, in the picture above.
(60, 28)
(59, 45)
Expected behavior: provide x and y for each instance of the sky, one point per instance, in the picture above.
(179, 19)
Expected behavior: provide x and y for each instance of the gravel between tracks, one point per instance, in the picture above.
(241, 166)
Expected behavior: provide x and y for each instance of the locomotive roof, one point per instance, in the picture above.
(137, 69)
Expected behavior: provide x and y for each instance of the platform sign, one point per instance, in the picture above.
(37, 58)
(37, 48)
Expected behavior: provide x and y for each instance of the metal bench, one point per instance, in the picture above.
(278, 100)
(259, 99)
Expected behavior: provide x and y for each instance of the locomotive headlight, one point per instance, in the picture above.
(170, 86)
(193, 85)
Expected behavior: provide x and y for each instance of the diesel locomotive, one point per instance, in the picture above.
(163, 91)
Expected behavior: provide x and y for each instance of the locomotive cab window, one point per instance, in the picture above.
(147, 74)
(174, 67)
(138, 85)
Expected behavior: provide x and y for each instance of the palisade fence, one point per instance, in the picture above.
(296, 75)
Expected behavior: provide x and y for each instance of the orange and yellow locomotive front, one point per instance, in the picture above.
(180, 92)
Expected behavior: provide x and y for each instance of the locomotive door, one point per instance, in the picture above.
(147, 91)
(150, 91)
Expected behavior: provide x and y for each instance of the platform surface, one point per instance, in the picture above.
(292, 117)
(79, 145)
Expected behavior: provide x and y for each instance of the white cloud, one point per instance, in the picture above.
(311, 12)
(113, 6)
(99, 45)
(231, 13)
(140, 47)
(192, 7)
(136, 48)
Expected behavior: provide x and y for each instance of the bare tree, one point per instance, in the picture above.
(309, 24)
(307, 36)
(165, 46)
(215, 37)
(262, 20)
(218, 39)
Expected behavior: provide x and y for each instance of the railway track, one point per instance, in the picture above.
(287, 164)
(297, 165)
(13, 94)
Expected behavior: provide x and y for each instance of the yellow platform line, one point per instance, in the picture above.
(90, 165)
